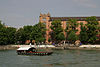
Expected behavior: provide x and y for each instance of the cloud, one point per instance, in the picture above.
(86, 3)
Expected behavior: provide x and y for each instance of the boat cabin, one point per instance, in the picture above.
(26, 49)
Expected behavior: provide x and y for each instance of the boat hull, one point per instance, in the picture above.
(36, 53)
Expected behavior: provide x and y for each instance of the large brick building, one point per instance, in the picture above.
(46, 18)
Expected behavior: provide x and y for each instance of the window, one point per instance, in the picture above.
(44, 19)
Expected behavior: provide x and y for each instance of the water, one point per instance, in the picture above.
(60, 58)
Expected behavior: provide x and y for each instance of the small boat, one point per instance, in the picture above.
(32, 51)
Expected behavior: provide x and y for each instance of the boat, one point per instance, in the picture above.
(33, 51)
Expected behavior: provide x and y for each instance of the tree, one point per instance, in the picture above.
(72, 25)
(27, 30)
(71, 30)
(23, 34)
(72, 37)
(11, 35)
(57, 31)
(20, 36)
(7, 35)
(60, 36)
(83, 34)
(92, 29)
(3, 36)
(38, 32)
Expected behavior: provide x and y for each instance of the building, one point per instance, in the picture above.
(46, 18)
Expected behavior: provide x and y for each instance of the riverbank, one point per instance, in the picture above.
(14, 47)
(8, 47)
(82, 47)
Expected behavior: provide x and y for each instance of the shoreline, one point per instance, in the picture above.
(9, 47)
(83, 47)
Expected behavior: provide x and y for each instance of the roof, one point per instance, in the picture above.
(23, 48)
(67, 18)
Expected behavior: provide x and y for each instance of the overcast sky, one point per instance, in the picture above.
(17, 13)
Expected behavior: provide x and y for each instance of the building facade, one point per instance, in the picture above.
(47, 19)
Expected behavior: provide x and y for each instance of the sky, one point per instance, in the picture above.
(18, 13)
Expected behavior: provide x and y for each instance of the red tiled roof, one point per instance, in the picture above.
(67, 18)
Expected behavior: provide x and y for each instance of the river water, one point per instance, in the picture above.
(60, 58)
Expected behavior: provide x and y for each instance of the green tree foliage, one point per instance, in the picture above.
(71, 30)
(20, 36)
(7, 35)
(72, 37)
(83, 34)
(11, 35)
(92, 29)
(27, 30)
(60, 36)
(38, 32)
(3, 36)
(23, 34)
(57, 31)
(72, 25)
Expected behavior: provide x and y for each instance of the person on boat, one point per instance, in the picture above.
(30, 45)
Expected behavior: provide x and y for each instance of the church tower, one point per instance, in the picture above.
(44, 18)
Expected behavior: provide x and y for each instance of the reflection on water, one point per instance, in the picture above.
(60, 58)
